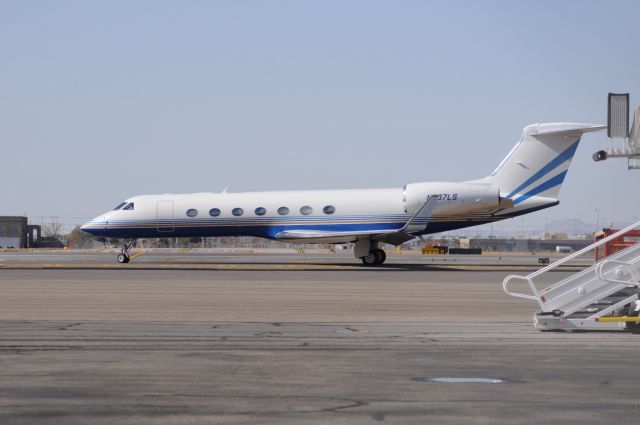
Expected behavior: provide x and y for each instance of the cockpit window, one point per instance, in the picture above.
(120, 206)
(129, 206)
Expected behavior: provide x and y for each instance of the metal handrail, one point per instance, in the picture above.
(518, 294)
(529, 277)
(632, 272)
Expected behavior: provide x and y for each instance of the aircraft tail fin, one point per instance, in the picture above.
(538, 163)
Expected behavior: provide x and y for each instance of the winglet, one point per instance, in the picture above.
(421, 218)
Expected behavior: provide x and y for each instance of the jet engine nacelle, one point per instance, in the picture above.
(453, 198)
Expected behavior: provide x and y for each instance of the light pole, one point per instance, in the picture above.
(546, 224)
(597, 218)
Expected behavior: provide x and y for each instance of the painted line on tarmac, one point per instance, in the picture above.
(174, 266)
(274, 266)
(134, 256)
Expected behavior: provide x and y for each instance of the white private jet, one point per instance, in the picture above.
(528, 179)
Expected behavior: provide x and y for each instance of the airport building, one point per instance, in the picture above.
(526, 245)
(13, 232)
(16, 232)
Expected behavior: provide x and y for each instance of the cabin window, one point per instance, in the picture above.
(192, 212)
(260, 211)
(129, 207)
(214, 212)
(120, 206)
(283, 210)
(306, 210)
(237, 212)
(329, 209)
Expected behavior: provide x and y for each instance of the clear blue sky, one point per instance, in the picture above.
(104, 100)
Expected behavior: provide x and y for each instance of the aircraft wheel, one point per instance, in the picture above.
(123, 258)
(369, 259)
(381, 256)
(633, 327)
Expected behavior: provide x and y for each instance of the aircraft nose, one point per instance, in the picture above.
(92, 225)
(85, 227)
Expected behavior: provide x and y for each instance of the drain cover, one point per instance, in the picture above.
(461, 380)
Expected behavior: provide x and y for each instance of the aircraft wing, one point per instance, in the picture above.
(326, 234)
(416, 224)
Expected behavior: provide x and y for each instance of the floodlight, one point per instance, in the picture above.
(618, 115)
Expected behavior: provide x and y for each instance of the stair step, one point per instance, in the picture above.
(580, 315)
(627, 291)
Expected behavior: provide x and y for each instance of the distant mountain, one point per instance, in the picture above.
(578, 227)
(572, 226)
(510, 229)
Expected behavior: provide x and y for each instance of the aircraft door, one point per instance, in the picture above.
(164, 216)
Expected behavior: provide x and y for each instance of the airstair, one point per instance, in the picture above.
(604, 296)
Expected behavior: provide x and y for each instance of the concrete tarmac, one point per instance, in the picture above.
(348, 345)
(233, 258)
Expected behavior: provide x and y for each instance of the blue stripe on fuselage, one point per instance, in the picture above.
(237, 230)
(270, 231)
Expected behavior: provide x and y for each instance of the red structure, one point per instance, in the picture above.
(618, 244)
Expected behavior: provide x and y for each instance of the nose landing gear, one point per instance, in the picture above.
(123, 257)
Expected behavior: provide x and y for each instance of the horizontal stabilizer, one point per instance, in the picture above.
(577, 129)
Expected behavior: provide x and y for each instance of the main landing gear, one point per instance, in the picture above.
(375, 257)
(368, 251)
(123, 257)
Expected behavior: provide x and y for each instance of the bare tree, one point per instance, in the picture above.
(52, 230)
(79, 239)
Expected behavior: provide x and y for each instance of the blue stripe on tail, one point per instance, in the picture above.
(552, 182)
(566, 155)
